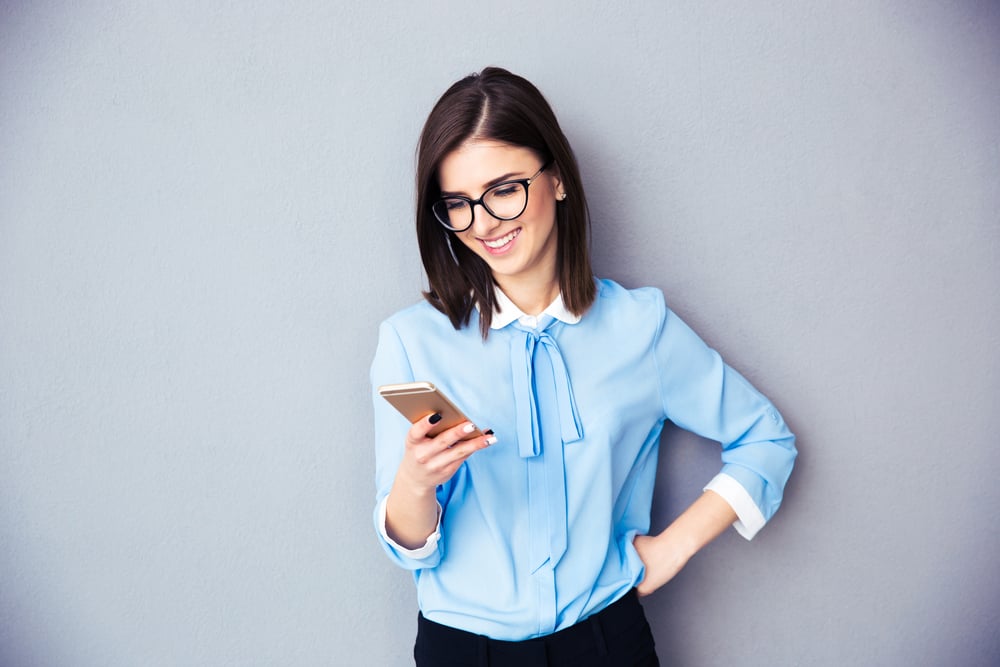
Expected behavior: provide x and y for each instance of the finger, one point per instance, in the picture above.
(446, 458)
(418, 432)
(454, 435)
(430, 449)
(467, 448)
(450, 459)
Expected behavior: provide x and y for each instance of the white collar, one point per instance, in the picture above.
(506, 312)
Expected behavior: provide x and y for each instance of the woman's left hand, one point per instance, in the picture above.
(662, 559)
(666, 554)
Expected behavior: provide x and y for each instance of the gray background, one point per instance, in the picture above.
(205, 210)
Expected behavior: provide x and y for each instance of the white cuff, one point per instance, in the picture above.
(429, 547)
(750, 518)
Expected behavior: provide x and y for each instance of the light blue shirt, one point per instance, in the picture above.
(535, 532)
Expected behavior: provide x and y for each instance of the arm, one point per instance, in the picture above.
(411, 510)
(664, 555)
(412, 471)
(390, 365)
(705, 396)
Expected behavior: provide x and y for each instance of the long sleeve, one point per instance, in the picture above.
(702, 394)
(391, 366)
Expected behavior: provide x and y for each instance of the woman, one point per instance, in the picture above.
(530, 544)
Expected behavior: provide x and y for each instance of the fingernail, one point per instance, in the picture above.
(469, 428)
(488, 431)
(491, 440)
(435, 418)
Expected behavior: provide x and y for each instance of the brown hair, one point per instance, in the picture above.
(496, 104)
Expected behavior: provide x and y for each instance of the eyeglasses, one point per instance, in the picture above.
(504, 201)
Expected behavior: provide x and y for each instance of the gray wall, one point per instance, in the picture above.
(205, 210)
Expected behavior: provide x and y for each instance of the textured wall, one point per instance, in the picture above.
(205, 210)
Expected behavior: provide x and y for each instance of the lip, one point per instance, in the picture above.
(502, 249)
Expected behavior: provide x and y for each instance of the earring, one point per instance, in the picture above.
(562, 196)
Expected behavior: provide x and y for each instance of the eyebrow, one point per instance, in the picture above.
(499, 179)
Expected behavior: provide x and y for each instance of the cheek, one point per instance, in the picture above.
(543, 203)
(467, 239)
(542, 211)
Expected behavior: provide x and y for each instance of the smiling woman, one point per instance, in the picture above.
(519, 249)
(502, 115)
(530, 543)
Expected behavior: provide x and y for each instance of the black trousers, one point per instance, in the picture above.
(619, 636)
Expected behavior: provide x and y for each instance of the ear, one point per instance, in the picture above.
(557, 184)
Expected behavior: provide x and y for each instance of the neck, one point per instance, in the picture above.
(531, 296)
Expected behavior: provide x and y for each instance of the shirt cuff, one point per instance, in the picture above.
(750, 520)
(429, 547)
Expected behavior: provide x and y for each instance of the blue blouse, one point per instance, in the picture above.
(535, 532)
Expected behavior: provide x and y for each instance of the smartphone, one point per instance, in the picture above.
(416, 400)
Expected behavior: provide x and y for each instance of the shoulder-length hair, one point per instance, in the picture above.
(498, 105)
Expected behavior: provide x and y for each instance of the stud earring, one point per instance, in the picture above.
(562, 196)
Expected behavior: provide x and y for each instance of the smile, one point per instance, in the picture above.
(499, 245)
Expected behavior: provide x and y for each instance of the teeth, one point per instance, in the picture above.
(502, 241)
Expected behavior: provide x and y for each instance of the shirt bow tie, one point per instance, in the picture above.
(547, 419)
(524, 351)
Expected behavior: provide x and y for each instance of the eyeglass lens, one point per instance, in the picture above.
(505, 201)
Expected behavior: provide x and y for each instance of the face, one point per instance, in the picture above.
(521, 250)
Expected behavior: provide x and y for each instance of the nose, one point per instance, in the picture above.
(483, 221)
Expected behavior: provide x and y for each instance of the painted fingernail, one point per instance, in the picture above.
(435, 418)
(491, 440)
(488, 431)
(469, 428)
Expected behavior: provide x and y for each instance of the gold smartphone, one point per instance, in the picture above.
(416, 400)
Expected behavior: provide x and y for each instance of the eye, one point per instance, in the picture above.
(454, 204)
(508, 190)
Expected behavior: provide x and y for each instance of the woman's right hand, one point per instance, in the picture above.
(411, 508)
(431, 461)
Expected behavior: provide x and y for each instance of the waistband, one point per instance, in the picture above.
(592, 635)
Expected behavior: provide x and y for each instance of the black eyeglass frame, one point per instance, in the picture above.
(524, 182)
